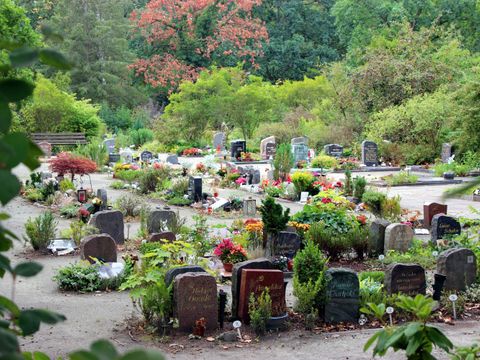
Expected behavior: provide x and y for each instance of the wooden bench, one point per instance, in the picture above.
(59, 138)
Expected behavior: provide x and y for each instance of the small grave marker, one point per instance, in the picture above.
(287, 244)
(333, 150)
(369, 153)
(343, 296)
(377, 236)
(408, 279)
(430, 210)
(459, 266)
(398, 237)
(444, 226)
(98, 246)
(110, 222)
(159, 219)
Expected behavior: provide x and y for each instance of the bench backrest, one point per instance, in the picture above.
(59, 138)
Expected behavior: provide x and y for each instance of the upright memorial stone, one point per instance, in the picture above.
(195, 297)
(287, 244)
(459, 266)
(159, 219)
(237, 147)
(430, 210)
(268, 147)
(164, 235)
(398, 237)
(110, 145)
(369, 153)
(343, 296)
(219, 140)
(444, 226)
(102, 195)
(377, 236)
(109, 222)
(408, 279)
(146, 156)
(126, 155)
(256, 281)
(46, 148)
(333, 150)
(171, 274)
(195, 190)
(446, 152)
(261, 263)
(299, 149)
(98, 246)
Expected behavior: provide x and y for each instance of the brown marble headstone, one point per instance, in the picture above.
(194, 297)
(165, 235)
(255, 281)
(408, 279)
(99, 246)
(459, 266)
(430, 210)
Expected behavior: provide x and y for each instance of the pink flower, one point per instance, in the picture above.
(241, 181)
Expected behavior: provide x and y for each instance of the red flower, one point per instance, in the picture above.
(362, 219)
(326, 200)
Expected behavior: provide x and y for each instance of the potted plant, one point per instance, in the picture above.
(229, 253)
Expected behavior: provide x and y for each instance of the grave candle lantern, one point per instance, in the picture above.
(82, 195)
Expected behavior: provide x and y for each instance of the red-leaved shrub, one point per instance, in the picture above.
(67, 163)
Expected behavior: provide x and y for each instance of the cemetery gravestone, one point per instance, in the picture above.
(159, 219)
(146, 156)
(377, 236)
(195, 188)
(430, 210)
(249, 207)
(46, 148)
(109, 222)
(172, 159)
(98, 246)
(165, 235)
(113, 158)
(459, 266)
(302, 140)
(408, 279)
(219, 141)
(126, 155)
(444, 226)
(333, 150)
(268, 147)
(237, 147)
(256, 281)
(110, 145)
(287, 244)
(195, 297)
(102, 195)
(300, 152)
(446, 152)
(398, 237)
(261, 263)
(171, 274)
(369, 153)
(343, 298)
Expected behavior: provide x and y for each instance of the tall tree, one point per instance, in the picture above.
(96, 37)
(302, 37)
(185, 36)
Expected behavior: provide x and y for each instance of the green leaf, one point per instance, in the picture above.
(14, 149)
(12, 90)
(412, 328)
(9, 305)
(8, 341)
(23, 56)
(438, 338)
(55, 59)
(37, 355)
(413, 344)
(34, 152)
(370, 341)
(10, 186)
(28, 269)
(5, 263)
(29, 320)
(5, 117)
(104, 350)
(82, 355)
(4, 216)
(143, 354)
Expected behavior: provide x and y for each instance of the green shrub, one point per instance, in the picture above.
(95, 150)
(129, 204)
(81, 276)
(141, 136)
(128, 175)
(391, 208)
(117, 184)
(274, 217)
(33, 194)
(458, 169)
(179, 186)
(371, 291)
(259, 311)
(302, 180)
(374, 199)
(324, 162)
(283, 161)
(275, 191)
(149, 180)
(66, 184)
(47, 189)
(179, 201)
(358, 239)
(69, 211)
(309, 266)
(41, 230)
(400, 178)
(359, 184)
(377, 276)
(329, 240)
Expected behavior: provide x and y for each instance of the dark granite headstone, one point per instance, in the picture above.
(159, 219)
(146, 156)
(343, 296)
(261, 263)
(174, 272)
(333, 150)
(369, 153)
(110, 222)
(398, 237)
(377, 236)
(114, 158)
(195, 188)
(286, 244)
(408, 279)
(164, 235)
(98, 246)
(195, 297)
(444, 226)
(102, 195)
(430, 210)
(237, 147)
(459, 266)
(255, 281)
